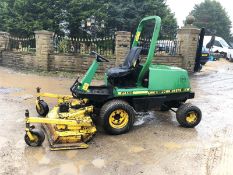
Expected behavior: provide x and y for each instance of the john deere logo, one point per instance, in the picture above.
(183, 79)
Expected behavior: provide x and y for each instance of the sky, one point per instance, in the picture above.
(181, 8)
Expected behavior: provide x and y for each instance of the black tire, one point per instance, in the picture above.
(203, 63)
(43, 108)
(39, 138)
(184, 113)
(224, 55)
(106, 114)
(164, 108)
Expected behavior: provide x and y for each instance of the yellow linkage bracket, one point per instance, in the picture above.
(61, 98)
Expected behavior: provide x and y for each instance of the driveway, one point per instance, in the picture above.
(156, 145)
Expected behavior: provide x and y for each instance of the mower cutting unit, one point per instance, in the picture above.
(68, 125)
(129, 88)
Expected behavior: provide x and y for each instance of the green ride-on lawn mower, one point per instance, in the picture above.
(129, 88)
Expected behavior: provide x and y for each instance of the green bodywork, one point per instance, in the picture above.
(88, 77)
(153, 44)
(162, 79)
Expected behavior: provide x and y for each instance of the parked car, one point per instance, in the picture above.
(205, 56)
(218, 45)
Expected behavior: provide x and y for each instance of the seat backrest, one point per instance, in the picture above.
(132, 57)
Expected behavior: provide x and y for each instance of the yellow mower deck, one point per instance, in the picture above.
(65, 130)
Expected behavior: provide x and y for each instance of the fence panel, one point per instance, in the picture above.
(104, 46)
(163, 47)
(22, 44)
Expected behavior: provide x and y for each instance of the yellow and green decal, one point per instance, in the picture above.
(137, 36)
(159, 92)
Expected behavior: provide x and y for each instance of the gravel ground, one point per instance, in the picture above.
(156, 145)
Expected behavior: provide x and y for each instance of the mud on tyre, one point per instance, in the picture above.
(42, 108)
(38, 136)
(117, 117)
(188, 115)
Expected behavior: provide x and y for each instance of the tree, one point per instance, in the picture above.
(213, 17)
(79, 10)
(23, 17)
(131, 12)
(121, 14)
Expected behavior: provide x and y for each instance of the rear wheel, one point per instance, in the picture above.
(188, 115)
(117, 117)
(42, 108)
(164, 108)
(38, 138)
(224, 55)
(203, 63)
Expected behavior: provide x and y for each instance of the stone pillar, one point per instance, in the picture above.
(123, 40)
(4, 41)
(44, 46)
(188, 36)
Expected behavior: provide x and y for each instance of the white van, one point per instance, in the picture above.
(219, 45)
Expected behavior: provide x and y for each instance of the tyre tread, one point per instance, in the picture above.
(108, 106)
(182, 110)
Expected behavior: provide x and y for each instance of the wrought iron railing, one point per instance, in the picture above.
(164, 47)
(27, 44)
(104, 46)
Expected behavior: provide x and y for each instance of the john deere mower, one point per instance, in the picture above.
(132, 87)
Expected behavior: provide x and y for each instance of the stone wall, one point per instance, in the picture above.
(22, 61)
(0, 57)
(45, 59)
(188, 36)
(4, 40)
(44, 46)
(75, 63)
(56, 62)
(176, 61)
(71, 62)
(122, 47)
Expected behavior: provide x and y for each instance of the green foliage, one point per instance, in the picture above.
(212, 16)
(121, 14)
(22, 17)
(63, 45)
(127, 14)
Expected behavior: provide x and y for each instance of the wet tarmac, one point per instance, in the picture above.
(156, 145)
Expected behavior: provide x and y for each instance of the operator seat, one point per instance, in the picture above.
(131, 60)
(125, 74)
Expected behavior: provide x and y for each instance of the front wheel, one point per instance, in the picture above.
(117, 117)
(188, 115)
(164, 108)
(42, 108)
(38, 138)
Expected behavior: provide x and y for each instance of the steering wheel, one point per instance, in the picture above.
(73, 87)
(99, 58)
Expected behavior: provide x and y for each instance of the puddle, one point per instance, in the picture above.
(20, 144)
(26, 97)
(98, 163)
(9, 90)
(71, 154)
(144, 118)
(136, 149)
(172, 145)
(3, 141)
(68, 169)
(44, 160)
(20, 120)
